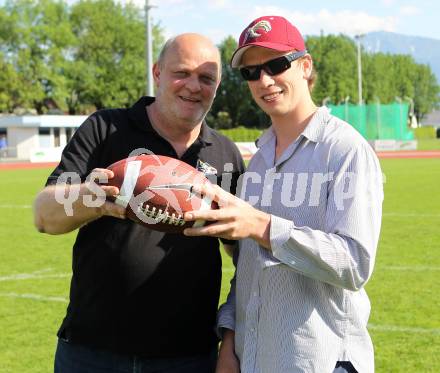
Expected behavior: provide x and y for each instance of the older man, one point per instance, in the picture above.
(142, 300)
(310, 226)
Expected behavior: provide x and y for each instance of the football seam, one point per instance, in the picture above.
(162, 216)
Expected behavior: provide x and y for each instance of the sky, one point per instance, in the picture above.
(220, 18)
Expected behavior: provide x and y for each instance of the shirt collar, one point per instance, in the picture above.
(267, 135)
(316, 127)
(313, 132)
(138, 114)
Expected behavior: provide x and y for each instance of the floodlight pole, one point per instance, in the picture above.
(359, 64)
(149, 49)
(347, 98)
(399, 100)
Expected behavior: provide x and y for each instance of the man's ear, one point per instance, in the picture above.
(307, 66)
(156, 74)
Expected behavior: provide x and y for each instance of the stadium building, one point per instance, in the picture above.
(38, 138)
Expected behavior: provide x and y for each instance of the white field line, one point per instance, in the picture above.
(411, 215)
(409, 268)
(42, 273)
(403, 329)
(379, 268)
(15, 206)
(381, 328)
(28, 276)
(37, 297)
(397, 214)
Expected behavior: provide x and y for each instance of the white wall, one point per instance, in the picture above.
(21, 141)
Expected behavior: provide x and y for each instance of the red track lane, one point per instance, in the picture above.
(410, 154)
(398, 154)
(26, 165)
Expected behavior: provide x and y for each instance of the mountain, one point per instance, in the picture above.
(423, 50)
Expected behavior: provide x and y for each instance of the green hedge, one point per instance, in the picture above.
(242, 134)
(426, 132)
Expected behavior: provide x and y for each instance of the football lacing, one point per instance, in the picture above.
(162, 216)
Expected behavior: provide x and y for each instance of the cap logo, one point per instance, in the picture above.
(261, 25)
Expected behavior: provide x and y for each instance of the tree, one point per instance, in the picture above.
(234, 105)
(385, 76)
(334, 59)
(426, 91)
(9, 85)
(108, 64)
(36, 37)
(377, 78)
(80, 57)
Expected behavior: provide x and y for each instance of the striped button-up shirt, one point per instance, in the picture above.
(302, 307)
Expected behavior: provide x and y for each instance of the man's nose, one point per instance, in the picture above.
(265, 78)
(193, 84)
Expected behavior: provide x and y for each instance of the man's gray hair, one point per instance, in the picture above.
(163, 52)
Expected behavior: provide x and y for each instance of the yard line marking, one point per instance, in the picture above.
(381, 328)
(403, 329)
(379, 268)
(42, 273)
(411, 214)
(28, 276)
(34, 297)
(409, 268)
(15, 206)
(39, 271)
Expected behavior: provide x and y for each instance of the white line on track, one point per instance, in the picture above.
(37, 297)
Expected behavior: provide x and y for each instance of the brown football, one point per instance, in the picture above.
(158, 190)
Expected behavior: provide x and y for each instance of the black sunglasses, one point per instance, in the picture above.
(272, 67)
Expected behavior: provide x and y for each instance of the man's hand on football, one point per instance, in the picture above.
(235, 219)
(106, 208)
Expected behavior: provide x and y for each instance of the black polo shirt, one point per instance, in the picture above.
(135, 290)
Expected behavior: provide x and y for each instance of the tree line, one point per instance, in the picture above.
(386, 78)
(74, 59)
(91, 55)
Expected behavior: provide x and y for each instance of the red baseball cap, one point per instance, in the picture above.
(272, 32)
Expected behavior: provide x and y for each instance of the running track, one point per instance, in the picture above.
(395, 155)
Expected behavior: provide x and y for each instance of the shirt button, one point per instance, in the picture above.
(252, 330)
(255, 294)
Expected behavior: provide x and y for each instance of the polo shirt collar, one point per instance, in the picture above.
(138, 114)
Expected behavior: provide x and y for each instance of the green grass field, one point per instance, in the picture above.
(404, 290)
